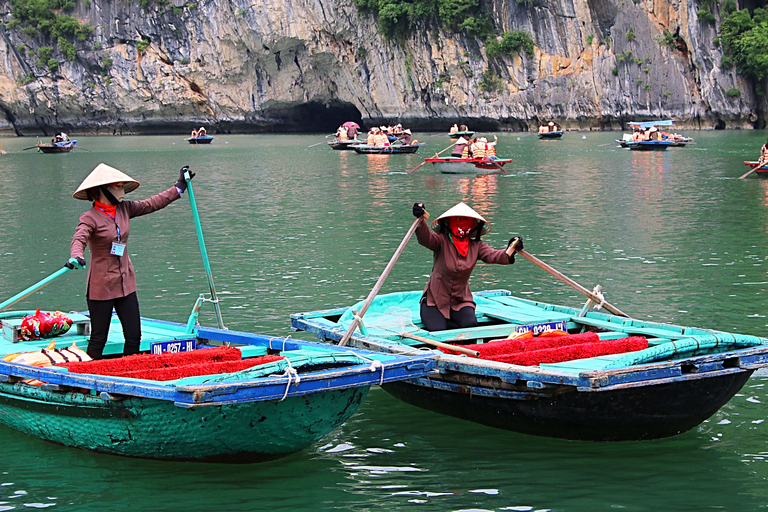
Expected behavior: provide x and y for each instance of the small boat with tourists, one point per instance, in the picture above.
(60, 143)
(204, 139)
(345, 145)
(455, 165)
(456, 132)
(392, 149)
(555, 371)
(200, 136)
(649, 145)
(649, 130)
(550, 131)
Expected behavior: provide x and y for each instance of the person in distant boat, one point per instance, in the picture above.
(397, 130)
(104, 229)
(543, 128)
(463, 128)
(405, 137)
(193, 135)
(341, 134)
(201, 132)
(458, 149)
(456, 247)
(454, 129)
(352, 131)
(372, 137)
(380, 138)
(763, 154)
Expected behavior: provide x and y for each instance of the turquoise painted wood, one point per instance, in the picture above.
(264, 412)
(684, 376)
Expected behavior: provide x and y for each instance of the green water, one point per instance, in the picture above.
(671, 236)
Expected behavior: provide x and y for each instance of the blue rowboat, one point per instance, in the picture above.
(205, 139)
(266, 411)
(57, 147)
(681, 377)
(650, 145)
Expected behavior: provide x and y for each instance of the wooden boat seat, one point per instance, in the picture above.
(81, 326)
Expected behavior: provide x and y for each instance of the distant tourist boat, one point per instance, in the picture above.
(205, 139)
(468, 134)
(551, 135)
(393, 149)
(453, 165)
(57, 147)
(675, 139)
(342, 145)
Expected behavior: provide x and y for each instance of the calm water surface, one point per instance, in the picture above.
(671, 236)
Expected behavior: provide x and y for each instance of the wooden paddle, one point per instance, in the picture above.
(440, 344)
(570, 282)
(313, 145)
(380, 282)
(755, 168)
(436, 155)
(31, 147)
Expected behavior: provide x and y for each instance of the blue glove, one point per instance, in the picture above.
(74, 263)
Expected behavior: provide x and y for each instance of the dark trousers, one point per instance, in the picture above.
(434, 320)
(127, 309)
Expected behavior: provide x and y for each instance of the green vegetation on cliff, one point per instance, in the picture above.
(44, 18)
(745, 40)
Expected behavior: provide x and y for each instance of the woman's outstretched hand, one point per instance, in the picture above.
(515, 244)
(181, 183)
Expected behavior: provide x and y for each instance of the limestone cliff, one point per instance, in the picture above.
(295, 65)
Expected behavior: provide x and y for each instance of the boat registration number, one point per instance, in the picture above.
(173, 346)
(540, 328)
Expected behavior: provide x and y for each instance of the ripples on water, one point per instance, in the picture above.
(670, 236)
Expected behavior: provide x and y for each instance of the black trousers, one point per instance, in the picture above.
(127, 309)
(434, 320)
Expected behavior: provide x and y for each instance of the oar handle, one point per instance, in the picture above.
(436, 155)
(16, 298)
(570, 282)
(380, 282)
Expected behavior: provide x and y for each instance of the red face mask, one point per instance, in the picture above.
(460, 227)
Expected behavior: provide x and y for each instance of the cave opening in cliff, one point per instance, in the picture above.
(316, 117)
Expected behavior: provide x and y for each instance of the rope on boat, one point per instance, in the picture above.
(284, 338)
(291, 373)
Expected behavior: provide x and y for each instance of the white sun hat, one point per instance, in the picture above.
(104, 175)
(462, 210)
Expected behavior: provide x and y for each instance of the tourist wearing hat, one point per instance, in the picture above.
(456, 246)
(104, 229)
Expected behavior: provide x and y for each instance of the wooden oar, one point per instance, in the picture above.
(570, 282)
(436, 155)
(31, 147)
(755, 168)
(440, 344)
(380, 282)
(16, 298)
(313, 145)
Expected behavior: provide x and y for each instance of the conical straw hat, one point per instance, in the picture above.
(462, 210)
(104, 175)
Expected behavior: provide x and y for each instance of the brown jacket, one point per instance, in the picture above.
(448, 285)
(109, 276)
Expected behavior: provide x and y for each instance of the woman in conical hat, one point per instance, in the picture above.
(456, 246)
(104, 229)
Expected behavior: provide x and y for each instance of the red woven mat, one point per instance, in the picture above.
(170, 366)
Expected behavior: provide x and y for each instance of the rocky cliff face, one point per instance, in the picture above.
(295, 65)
